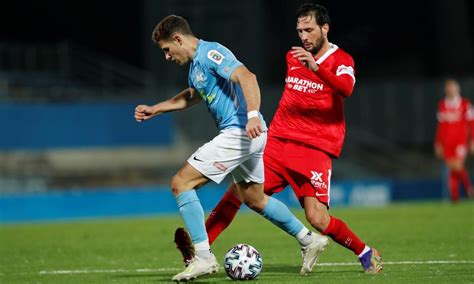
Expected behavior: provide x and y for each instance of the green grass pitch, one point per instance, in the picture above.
(420, 243)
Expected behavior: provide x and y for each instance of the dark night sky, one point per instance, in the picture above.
(386, 33)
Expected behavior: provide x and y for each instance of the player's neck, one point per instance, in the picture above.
(323, 50)
(192, 45)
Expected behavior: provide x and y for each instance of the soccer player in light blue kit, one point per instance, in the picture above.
(232, 96)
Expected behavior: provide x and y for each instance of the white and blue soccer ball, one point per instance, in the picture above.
(243, 262)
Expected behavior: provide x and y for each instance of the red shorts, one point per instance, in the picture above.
(307, 170)
(455, 151)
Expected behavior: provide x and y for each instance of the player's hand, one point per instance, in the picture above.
(143, 112)
(305, 57)
(254, 127)
(438, 149)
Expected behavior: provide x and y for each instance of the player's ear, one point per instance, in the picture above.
(178, 39)
(325, 29)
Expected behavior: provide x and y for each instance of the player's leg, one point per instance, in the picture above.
(276, 179)
(310, 177)
(456, 164)
(219, 219)
(223, 214)
(183, 186)
(317, 214)
(248, 178)
(454, 156)
(453, 180)
(269, 207)
(215, 160)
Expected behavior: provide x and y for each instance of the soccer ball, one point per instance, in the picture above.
(243, 262)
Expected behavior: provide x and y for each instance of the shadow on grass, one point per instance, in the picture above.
(166, 277)
(269, 273)
(295, 270)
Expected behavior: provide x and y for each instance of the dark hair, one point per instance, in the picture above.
(169, 25)
(317, 11)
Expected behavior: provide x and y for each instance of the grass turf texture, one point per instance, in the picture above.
(141, 250)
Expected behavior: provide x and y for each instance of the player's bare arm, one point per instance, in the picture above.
(248, 82)
(183, 100)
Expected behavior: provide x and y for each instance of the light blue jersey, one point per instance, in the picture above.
(209, 74)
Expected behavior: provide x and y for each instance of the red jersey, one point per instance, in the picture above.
(311, 108)
(454, 119)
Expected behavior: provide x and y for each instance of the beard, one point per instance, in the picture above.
(317, 46)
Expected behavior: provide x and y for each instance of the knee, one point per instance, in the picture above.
(319, 220)
(456, 165)
(254, 204)
(176, 185)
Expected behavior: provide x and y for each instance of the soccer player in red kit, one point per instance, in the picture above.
(306, 133)
(455, 121)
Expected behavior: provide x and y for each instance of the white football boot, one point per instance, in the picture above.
(311, 252)
(197, 267)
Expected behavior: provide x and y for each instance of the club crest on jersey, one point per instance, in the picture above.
(317, 180)
(215, 56)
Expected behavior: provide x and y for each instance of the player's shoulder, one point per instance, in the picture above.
(213, 51)
(465, 101)
(343, 56)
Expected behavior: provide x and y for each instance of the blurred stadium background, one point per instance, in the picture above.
(71, 74)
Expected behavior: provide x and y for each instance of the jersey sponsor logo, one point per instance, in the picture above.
(317, 181)
(215, 56)
(294, 68)
(449, 116)
(302, 85)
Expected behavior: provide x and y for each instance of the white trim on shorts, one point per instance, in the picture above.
(232, 151)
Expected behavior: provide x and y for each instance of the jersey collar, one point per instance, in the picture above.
(331, 50)
(454, 102)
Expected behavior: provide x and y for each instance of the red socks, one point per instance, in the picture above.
(453, 185)
(454, 178)
(222, 215)
(341, 234)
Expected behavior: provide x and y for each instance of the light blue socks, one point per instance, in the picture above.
(193, 215)
(279, 214)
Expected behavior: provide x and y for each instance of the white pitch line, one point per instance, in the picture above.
(120, 270)
(169, 269)
(400, 262)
